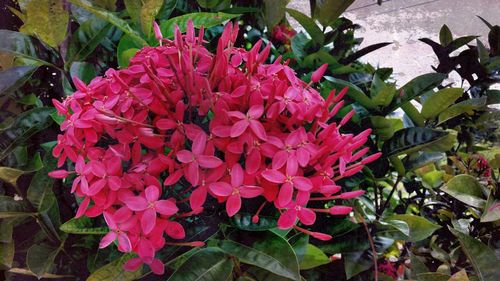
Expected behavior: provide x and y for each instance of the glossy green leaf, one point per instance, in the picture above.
(459, 42)
(354, 92)
(24, 126)
(299, 244)
(10, 175)
(47, 20)
(12, 208)
(114, 271)
(274, 12)
(82, 225)
(206, 265)
(149, 10)
(199, 19)
(421, 158)
(313, 257)
(394, 229)
(40, 259)
(467, 106)
(433, 179)
(481, 257)
(21, 45)
(420, 228)
(166, 10)
(359, 261)
(13, 78)
(268, 251)
(25, 271)
(86, 38)
(416, 87)
(417, 266)
(111, 18)
(385, 127)
(208, 4)
(244, 222)
(445, 36)
(126, 50)
(83, 70)
(440, 101)
(412, 139)
(328, 11)
(309, 25)
(466, 189)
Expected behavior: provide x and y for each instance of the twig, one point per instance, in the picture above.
(390, 195)
(372, 245)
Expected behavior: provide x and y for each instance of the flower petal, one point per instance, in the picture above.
(207, 161)
(279, 159)
(233, 204)
(238, 128)
(302, 183)
(249, 191)
(136, 203)
(258, 129)
(175, 230)
(285, 195)
(166, 207)
(132, 264)
(273, 176)
(287, 219)
(107, 239)
(220, 188)
(124, 243)
(157, 267)
(152, 193)
(185, 156)
(237, 175)
(148, 220)
(199, 143)
(306, 216)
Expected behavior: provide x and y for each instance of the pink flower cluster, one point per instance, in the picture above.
(224, 125)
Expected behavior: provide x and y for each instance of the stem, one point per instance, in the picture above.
(372, 245)
(381, 211)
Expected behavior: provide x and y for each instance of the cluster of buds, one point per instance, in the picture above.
(224, 125)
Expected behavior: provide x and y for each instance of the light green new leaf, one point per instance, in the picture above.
(466, 189)
(82, 225)
(134, 9)
(467, 106)
(206, 20)
(459, 276)
(114, 271)
(420, 228)
(127, 48)
(111, 18)
(205, 265)
(313, 257)
(481, 257)
(327, 11)
(440, 101)
(47, 20)
(149, 10)
(309, 25)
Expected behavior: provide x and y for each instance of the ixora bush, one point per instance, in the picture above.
(225, 125)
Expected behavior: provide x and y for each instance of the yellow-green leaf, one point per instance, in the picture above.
(10, 175)
(114, 271)
(149, 10)
(313, 257)
(47, 20)
(440, 101)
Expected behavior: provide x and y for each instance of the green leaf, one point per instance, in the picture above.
(445, 36)
(494, 40)
(82, 225)
(167, 9)
(357, 262)
(47, 20)
(459, 42)
(274, 12)
(10, 175)
(421, 158)
(149, 10)
(86, 38)
(299, 244)
(432, 276)
(30, 99)
(433, 179)
(481, 257)
(114, 271)
(466, 189)
(440, 101)
(83, 70)
(412, 139)
(133, 8)
(111, 18)
(21, 45)
(314, 257)
(416, 87)
(459, 276)
(40, 259)
(126, 50)
(491, 210)
(6, 254)
(417, 266)
(12, 208)
(269, 251)
(354, 92)
(393, 229)
(14, 77)
(381, 93)
(24, 126)
(420, 228)
(207, 264)
(328, 11)
(244, 222)
(25, 271)
(466, 106)
(206, 20)
(309, 25)
(385, 127)
(208, 4)
(493, 96)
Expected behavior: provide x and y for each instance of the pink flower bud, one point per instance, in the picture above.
(340, 210)
(321, 236)
(351, 194)
(371, 158)
(255, 219)
(157, 31)
(59, 174)
(316, 76)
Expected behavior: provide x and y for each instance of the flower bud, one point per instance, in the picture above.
(316, 76)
